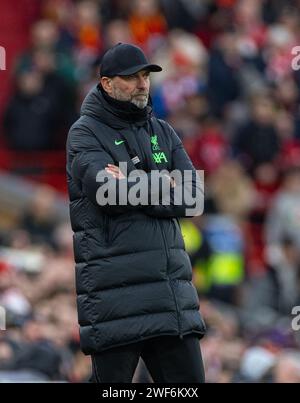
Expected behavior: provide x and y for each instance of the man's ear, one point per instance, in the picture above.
(106, 83)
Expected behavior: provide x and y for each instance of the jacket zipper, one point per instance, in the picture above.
(170, 281)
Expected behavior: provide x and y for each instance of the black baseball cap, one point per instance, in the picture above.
(124, 59)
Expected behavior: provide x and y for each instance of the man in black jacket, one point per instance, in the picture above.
(135, 297)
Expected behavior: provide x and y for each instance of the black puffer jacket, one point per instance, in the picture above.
(133, 276)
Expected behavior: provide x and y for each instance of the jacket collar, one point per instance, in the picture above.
(117, 114)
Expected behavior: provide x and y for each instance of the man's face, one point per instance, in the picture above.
(133, 88)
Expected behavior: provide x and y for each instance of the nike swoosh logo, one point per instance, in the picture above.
(118, 142)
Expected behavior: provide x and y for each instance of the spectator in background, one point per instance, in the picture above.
(284, 216)
(280, 41)
(183, 14)
(88, 27)
(236, 198)
(147, 24)
(223, 67)
(184, 59)
(37, 353)
(225, 267)
(45, 36)
(286, 126)
(30, 118)
(55, 61)
(117, 31)
(62, 14)
(39, 220)
(287, 368)
(44, 102)
(266, 180)
(210, 148)
(257, 141)
(273, 294)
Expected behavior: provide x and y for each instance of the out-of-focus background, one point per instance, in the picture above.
(229, 90)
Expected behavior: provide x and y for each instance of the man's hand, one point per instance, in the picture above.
(115, 171)
(172, 181)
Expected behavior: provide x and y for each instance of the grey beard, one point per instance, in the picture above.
(141, 104)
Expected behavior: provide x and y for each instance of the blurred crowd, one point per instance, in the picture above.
(229, 90)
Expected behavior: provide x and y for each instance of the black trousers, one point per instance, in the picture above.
(168, 359)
